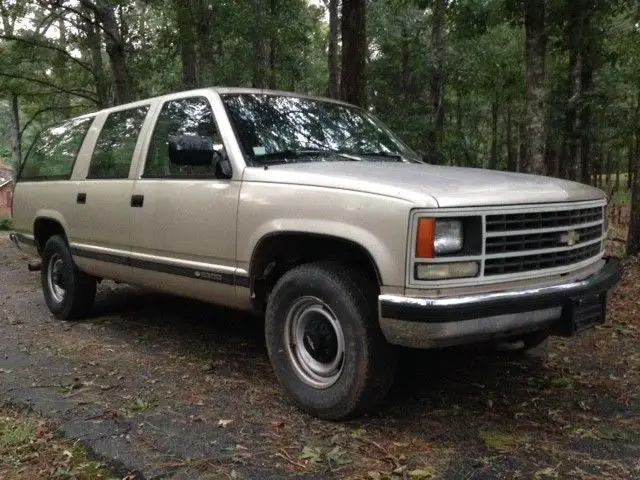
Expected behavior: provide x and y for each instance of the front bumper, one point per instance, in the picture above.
(438, 322)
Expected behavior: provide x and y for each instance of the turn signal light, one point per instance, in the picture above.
(425, 238)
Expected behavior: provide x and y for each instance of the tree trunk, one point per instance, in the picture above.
(405, 67)
(535, 50)
(586, 83)
(273, 45)
(95, 53)
(105, 12)
(436, 85)
(353, 82)
(607, 167)
(550, 158)
(16, 144)
(521, 146)
(512, 161)
(493, 160)
(633, 242)
(65, 100)
(187, 41)
(334, 75)
(259, 48)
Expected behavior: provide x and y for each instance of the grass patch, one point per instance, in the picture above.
(5, 223)
(17, 434)
(498, 440)
(30, 449)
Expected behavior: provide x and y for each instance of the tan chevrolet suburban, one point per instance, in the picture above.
(312, 213)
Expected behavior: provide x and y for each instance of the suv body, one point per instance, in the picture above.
(311, 212)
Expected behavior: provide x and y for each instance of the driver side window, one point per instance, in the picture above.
(184, 116)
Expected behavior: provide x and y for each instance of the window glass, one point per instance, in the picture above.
(186, 116)
(289, 128)
(113, 152)
(54, 152)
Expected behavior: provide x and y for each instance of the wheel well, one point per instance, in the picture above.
(44, 229)
(276, 254)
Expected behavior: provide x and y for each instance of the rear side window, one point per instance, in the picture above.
(114, 148)
(54, 152)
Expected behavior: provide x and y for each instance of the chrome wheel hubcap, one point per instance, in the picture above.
(55, 278)
(314, 342)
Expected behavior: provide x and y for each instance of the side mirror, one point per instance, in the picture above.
(191, 150)
(223, 168)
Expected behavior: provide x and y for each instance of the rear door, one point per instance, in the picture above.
(183, 228)
(102, 220)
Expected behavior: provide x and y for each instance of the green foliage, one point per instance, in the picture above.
(5, 224)
(283, 44)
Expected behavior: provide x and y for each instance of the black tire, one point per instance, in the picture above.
(368, 361)
(532, 345)
(536, 345)
(78, 289)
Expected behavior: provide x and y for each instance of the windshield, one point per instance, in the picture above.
(277, 129)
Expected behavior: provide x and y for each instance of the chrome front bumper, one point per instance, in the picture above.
(437, 322)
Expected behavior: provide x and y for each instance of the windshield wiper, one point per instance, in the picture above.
(276, 157)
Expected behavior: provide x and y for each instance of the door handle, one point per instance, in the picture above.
(81, 198)
(137, 200)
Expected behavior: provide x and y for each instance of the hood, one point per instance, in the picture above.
(429, 185)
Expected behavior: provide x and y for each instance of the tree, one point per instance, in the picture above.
(437, 76)
(354, 52)
(332, 51)
(535, 48)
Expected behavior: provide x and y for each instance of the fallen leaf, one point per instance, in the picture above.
(422, 473)
(313, 454)
(224, 423)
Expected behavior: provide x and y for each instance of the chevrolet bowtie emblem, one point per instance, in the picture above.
(570, 238)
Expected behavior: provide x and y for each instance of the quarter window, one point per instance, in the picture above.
(114, 148)
(186, 116)
(54, 152)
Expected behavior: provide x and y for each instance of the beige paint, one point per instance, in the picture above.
(217, 224)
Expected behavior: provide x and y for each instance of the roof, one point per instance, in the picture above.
(218, 90)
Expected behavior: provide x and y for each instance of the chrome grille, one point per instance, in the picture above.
(538, 241)
(525, 263)
(536, 220)
(522, 242)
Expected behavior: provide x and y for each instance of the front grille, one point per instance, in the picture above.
(539, 241)
(525, 263)
(537, 220)
(517, 243)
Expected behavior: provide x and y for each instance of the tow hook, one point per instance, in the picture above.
(34, 265)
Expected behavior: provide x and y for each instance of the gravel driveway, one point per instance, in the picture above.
(163, 387)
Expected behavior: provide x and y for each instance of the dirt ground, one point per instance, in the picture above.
(162, 387)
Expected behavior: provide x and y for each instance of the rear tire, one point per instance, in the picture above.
(325, 343)
(68, 292)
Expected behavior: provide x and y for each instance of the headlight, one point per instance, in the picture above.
(438, 237)
(448, 238)
(445, 271)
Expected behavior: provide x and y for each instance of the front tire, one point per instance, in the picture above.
(68, 292)
(324, 341)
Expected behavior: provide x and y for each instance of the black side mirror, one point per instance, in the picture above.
(191, 150)
(223, 168)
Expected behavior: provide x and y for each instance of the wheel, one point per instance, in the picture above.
(68, 292)
(324, 341)
(534, 345)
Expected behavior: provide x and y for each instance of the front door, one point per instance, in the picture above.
(185, 221)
